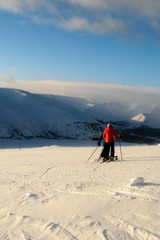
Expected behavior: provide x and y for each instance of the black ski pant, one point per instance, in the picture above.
(108, 150)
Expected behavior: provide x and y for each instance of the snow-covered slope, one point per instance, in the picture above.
(40, 115)
(55, 193)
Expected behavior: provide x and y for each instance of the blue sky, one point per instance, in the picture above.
(114, 41)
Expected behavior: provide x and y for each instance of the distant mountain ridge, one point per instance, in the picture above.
(37, 115)
(51, 116)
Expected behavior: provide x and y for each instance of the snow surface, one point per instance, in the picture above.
(49, 190)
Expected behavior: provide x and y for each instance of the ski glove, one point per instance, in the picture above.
(99, 143)
(121, 136)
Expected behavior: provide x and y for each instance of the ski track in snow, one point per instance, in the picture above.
(48, 169)
(57, 197)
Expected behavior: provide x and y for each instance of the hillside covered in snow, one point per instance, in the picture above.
(55, 192)
(56, 116)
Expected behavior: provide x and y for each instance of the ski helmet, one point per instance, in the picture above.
(109, 125)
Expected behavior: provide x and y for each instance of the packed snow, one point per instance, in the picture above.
(50, 190)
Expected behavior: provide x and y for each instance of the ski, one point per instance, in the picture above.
(102, 160)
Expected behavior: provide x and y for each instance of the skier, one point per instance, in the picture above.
(108, 137)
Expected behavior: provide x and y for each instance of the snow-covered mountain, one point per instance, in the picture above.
(151, 119)
(51, 116)
(36, 115)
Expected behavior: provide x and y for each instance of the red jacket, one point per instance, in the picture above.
(109, 134)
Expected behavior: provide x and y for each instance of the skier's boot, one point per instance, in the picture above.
(107, 159)
(111, 158)
(100, 159)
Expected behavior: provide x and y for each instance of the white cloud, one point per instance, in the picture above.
(6, 79)
(107, 25)
(99, 92)
(11, 5)
(42, 20)
(96, 16)
(20, 7)
(156, 25)
(136, 8)
(13, 69)
(93, 4)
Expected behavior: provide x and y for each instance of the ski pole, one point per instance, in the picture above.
(93, 152)
(121, 135)
(120, 149)
(20, 140)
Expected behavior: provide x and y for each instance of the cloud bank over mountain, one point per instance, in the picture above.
(136, 99)
(102, 17)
